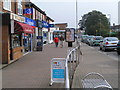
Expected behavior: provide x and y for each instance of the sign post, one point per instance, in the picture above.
(57, 70)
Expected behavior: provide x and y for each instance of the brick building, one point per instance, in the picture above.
(21, 28)
(62, 26)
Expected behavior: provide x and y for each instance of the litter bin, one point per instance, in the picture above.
(39, 43)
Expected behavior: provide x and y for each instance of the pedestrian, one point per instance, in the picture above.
(56, 40)
(61, 41)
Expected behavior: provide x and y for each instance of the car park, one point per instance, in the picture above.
(118, 48)
(109, 43)
(95, 40)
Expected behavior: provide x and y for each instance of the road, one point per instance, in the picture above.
(111, 53)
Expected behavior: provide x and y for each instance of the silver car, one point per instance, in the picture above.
(109, 43)
(83, 37)
(95, 40)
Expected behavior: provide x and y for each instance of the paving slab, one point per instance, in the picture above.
(33, 69)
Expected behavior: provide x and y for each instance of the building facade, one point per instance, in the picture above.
(62, 26)
(22, 23)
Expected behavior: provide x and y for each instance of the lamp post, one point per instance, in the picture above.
(109, 19)
(100, 27)
(76, 15)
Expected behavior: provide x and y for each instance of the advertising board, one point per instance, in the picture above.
(58, 70)
(70, 35)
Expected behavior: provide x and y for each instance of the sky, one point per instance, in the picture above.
(64, 11)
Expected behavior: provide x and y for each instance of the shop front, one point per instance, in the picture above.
(50, 33)
(38, 31)
(39, 25)
(21, 37)
(45, 32)
(30, 38)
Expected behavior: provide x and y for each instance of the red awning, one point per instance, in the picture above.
(21, 27)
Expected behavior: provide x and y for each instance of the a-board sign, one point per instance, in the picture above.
(58, 70)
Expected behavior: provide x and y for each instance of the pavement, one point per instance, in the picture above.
(33, 69)
(94, 61)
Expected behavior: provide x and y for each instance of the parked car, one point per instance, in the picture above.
(118, 48)
(76, 36)
(83, 37)
(109, 43)
(95, 40)
(87, 41)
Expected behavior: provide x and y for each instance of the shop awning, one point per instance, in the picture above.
(21, 27)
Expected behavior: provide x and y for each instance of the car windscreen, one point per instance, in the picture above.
(112, 39)
(89, 37)
(98, 38)
(84, 36)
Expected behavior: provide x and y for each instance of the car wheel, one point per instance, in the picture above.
(104, 49)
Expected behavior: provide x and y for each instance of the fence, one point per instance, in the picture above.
(72, 61)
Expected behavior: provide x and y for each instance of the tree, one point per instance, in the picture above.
(95, 23)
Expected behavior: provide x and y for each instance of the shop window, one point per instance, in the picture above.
(15, 41)
(7, 5)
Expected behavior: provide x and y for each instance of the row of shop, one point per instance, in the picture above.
(20, 34)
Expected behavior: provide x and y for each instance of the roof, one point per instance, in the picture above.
(60, 23)
(50, 19)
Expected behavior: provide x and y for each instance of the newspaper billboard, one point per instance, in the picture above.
(58, 70)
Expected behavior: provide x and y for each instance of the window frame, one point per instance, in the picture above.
(20, 10)
(5, 5)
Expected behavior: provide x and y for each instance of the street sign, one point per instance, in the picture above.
(51, 25)
(57, 70)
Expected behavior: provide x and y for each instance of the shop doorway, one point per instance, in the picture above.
(27, 42)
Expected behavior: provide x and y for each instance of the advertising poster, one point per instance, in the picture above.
(70, 35)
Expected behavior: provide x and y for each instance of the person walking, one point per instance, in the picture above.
(56, 40)
(61, 41)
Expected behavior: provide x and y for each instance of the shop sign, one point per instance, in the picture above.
(30, 22)
(45, 24)
(17, 18)
(28, 11)
(39, 23)
(51, 25)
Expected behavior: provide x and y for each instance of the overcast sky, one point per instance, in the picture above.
(65, 10)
